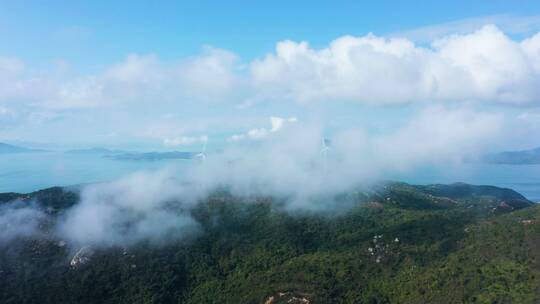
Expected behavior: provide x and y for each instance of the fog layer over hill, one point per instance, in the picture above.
(297, 165)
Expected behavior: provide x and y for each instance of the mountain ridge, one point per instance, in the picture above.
(396, 243)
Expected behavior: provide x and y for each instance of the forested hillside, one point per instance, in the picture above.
(396, 243)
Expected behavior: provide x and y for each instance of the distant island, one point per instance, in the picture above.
(96, 151)
(8, 149)
(153, 155)
(125, 155)
(523, 157)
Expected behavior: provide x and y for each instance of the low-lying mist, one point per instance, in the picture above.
(300, 164)
(18, 219)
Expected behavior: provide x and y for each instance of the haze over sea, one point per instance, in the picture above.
(26, 172)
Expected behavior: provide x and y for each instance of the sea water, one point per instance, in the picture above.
(26, 172)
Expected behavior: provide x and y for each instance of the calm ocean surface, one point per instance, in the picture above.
(27, 172)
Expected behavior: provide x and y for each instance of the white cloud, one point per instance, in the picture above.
(6, 112)
(211, 76)
(485, 65)
(135, 94)
(11, 65)
(184, 140)
(510, 24)
(259, 133)
(276, 123)
(252, 134)
(19, 220)
(531, 47)
(132, 209)
(12, 81)
(290, 164)
(438, 134)
(237, 137)
(139, 79)
(208, 77)
(530, 116)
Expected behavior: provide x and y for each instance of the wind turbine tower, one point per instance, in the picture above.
(202, 155)
(324, 152)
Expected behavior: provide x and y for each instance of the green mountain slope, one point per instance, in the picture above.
(396, 243)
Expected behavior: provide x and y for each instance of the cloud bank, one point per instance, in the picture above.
(19, 220)
(174, 102)
(150, 206)
(288, 164)
(483, 65)
(291, 163)
(184, 140)
(277, 123)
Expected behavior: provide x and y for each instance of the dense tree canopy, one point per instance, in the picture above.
(397, 244)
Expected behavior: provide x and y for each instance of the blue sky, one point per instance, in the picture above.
(166, 75)
(90, 33)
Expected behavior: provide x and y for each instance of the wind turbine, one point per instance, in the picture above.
(324, 152)
(202, 154)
